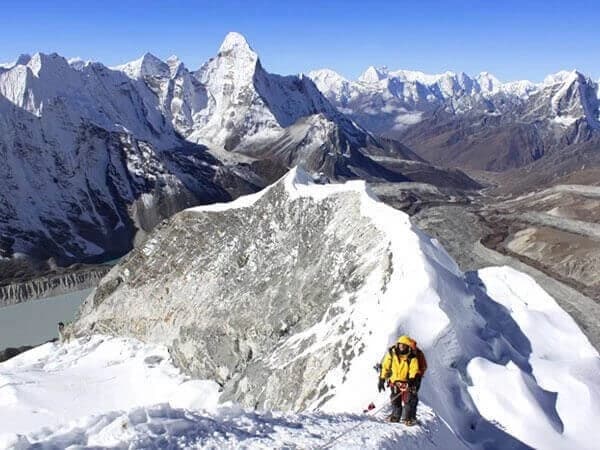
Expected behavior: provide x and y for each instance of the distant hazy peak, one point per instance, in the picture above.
(373, 75)
(146, 65)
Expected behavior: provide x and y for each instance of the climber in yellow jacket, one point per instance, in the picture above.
(400, 367)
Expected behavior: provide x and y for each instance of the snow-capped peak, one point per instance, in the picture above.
(237, 43)
(373, 75)
(561, 77)
(329, 82)
(327, 75)
(175, 64)
(146, 66)
(488, 82)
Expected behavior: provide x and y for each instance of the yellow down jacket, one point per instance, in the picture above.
(396, 367)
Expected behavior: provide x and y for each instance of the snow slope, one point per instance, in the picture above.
(115, 392)
(562, 363)
(104, 391)
(508, 367)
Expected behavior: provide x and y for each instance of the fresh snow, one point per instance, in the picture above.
(564, 409)
(115, 392)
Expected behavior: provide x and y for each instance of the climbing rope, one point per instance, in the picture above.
(354, 427)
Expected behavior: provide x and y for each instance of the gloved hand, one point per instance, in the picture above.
(381, 385)
(412, 386)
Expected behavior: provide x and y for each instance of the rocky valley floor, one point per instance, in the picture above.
(553, 235)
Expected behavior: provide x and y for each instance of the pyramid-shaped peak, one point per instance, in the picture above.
(151, 64)
(373, 75)
(146, 65)
(235, 42)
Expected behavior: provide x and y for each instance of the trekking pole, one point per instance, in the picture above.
(353, 427)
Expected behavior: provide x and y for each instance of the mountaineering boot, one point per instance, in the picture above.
(393, 418)
(410, 422)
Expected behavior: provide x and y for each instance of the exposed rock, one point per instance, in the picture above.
(285, 262)
(11, 352)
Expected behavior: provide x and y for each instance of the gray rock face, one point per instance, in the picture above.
(226, 289)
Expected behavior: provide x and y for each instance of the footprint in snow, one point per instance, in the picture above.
(153, 361)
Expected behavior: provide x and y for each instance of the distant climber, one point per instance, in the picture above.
(61, 332)
(402, 369)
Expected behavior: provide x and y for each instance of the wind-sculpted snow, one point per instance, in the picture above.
(289, 297)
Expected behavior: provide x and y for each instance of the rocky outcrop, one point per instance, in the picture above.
(240, 283)
(11, 352)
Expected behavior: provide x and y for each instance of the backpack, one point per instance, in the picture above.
(422, 361)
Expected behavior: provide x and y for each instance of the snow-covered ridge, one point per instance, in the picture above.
(106, 392)
(479, 330)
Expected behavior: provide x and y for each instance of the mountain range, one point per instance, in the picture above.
(470, 122)
(97, 156)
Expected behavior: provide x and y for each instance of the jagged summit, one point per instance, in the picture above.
(432, 112)
(235, 42)
(146, 65)
(373, 75)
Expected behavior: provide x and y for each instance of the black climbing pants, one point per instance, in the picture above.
(404, 399)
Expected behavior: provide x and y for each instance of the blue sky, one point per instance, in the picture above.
(512, 39)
